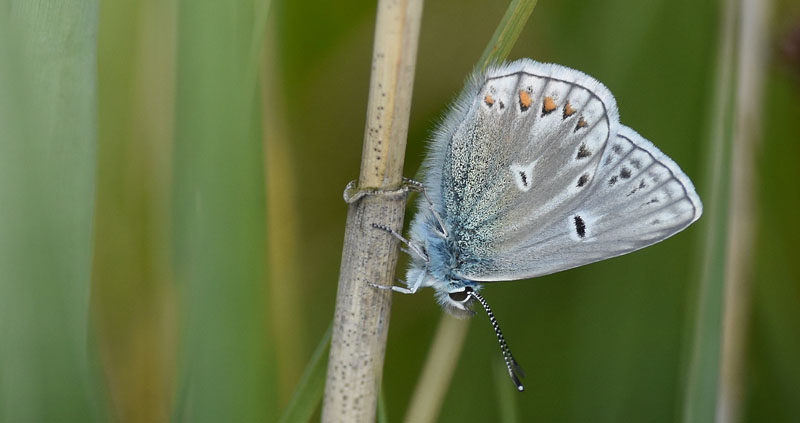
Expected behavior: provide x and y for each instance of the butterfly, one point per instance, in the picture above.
(531, 173)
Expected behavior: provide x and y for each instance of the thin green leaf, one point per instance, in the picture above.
(308, 395)
(506, 393)
(507, 32)
(700, 400)
(257, 41)
(383, 414)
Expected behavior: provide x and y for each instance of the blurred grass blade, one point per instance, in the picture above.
(47, 176)
(308, 396)
(441, 362)
(257, 42)
(383, 413)
(226, 366)
(749, 110)
(506, 393)
(439, 367)
(133, 298)
(700, 396)
(507, 32)
(287, 295)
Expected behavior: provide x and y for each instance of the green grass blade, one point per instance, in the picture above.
(257, 42)
(133, 307)
(440, 364)
(308, 395)
(226, 365)
(507, 32)
(383, 413)
(506, 393)
(47, 178)
(700, 399)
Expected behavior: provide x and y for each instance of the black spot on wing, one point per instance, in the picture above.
(580, 227)
(642, 185)
(583, 152)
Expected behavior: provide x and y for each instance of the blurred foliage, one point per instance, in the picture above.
(225, 360)
(188, 320)
(48, 139)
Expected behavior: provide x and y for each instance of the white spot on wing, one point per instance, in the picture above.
(523, 176)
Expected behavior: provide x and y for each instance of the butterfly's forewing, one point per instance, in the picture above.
(538, 176)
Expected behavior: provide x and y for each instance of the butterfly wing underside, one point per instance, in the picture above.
(538, 176)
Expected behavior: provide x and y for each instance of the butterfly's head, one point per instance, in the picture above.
(457, 297)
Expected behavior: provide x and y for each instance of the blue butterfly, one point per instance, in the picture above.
(529, 174)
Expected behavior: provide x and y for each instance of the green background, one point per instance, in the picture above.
(213, 276)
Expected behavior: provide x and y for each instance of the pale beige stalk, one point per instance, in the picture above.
(361, 320)
(752, 64)
(439, 367)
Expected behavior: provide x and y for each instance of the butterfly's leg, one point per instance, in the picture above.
(407, 251)
(402, 289)
(415, 248)
(352, 193)
(419, 187)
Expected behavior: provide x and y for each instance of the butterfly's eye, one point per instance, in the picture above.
(460, 296)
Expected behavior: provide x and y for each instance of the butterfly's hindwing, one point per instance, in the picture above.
(638, 197)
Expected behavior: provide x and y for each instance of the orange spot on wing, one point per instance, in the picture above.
(488, 100)
(549, 105)
(524, 100)
(568, 110)
(581, 124)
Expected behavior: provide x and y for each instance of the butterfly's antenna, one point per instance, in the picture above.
(511, 364)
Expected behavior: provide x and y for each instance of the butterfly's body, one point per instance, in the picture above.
(531, 173)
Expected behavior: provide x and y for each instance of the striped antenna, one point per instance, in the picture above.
(511, 364)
